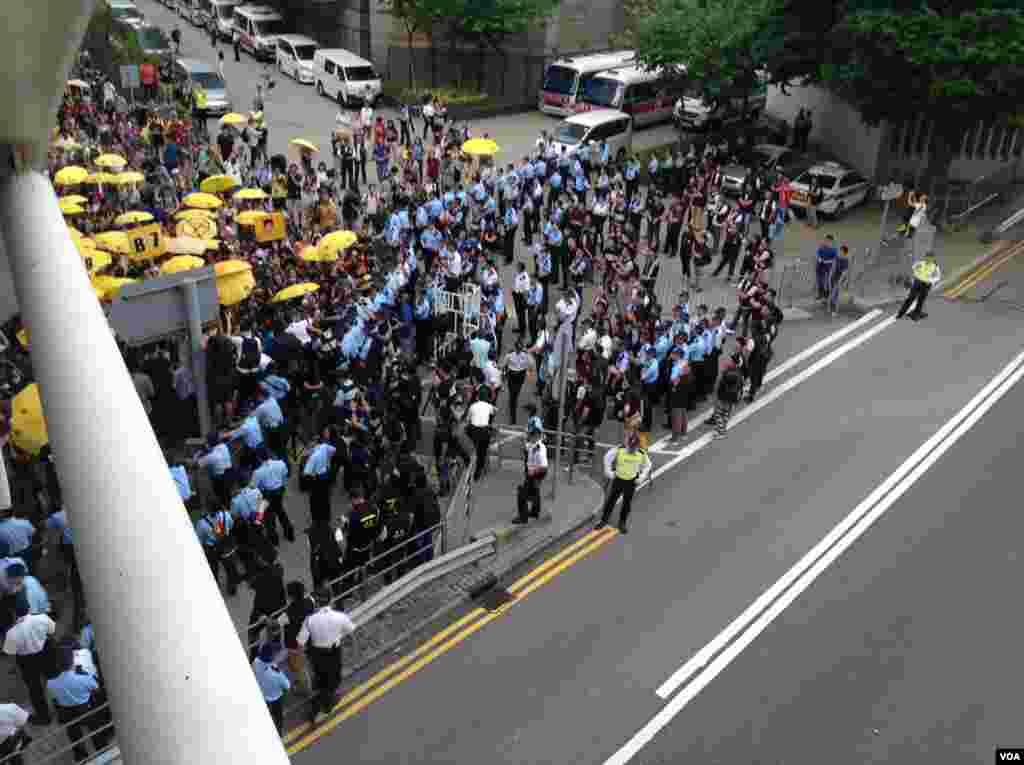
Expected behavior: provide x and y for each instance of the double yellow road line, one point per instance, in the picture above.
(359, 698)
(1004, 253)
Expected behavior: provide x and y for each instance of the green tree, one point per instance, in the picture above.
(718, 44)
(633, 13)
(415, 16)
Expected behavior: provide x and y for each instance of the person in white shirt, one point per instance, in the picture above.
(301, 328)
(12, 735)
(536, 461)
(480, 413)
(321, 635)
(566, 308)
(492, 378)
(516, 364)
(28, 641)
(428, 117)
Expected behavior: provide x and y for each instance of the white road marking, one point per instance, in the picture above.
(780, 595)
(749, 411)
(788, 364)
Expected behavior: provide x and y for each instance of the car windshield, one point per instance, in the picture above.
(269, 27)
(151, 38)
(559, 79)
(570, 133)
(208, 80)
(305, 52)
(224, 12)
(360, 73)
(824, 181)
(599, 91)
(127, 12)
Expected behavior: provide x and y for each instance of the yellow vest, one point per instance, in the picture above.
(925, 271)
(200, 98)
(628, 464)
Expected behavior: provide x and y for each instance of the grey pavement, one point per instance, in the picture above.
(568, 674)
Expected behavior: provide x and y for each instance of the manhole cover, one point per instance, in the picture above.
(494, 598)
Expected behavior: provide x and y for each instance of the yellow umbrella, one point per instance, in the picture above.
(75, 233)
(215, 184)
(101, 178)
(85, 246)
(113, 241)
(111, 161)
(202, 200)
(28, 425)
(193, 214)
(337, 241)
(235, 281)
(250, 194)
(233, 118)
(108, 286)
(302, 143)
(71, 175)
(295, 291)
(131, 176)
(133, 217)
(71, 209)
(251, 217)
(480, 147)
(95, 260)
(189, 245)
(73, 199)
(313, 254)
(23, 338)
(181, 263)
(197, 228)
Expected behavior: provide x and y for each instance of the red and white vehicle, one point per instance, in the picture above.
(564, 78)
(257, 27)
(648, 96)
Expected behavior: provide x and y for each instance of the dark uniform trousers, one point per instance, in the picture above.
(620, 488)
(326, 669)
(276, 512)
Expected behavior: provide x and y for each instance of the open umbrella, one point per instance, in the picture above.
(216, 184)
(337, 241)
(23, 338)
(71, 175)
(480, 147)
(76, 234)
(85, 246)
(133, 217)
(68, 208)
(197, 228)
(202, 200)
(313, 254)
(193, 214)
(73, 199)
(95, 260)
(189, 245)
(113, 241)
(108, 286)
(110, 161)
(129, 177)
(304, 145)
(251, 217)
(250, 194)
(182, 263)
(235, 281)
(295, 291)
(28, 425)
(100, 178)
(233, 118)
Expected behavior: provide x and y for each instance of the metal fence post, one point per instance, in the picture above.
(563, 378)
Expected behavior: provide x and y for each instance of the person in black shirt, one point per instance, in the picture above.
(326, 558)
(268, 598)
(300, 605)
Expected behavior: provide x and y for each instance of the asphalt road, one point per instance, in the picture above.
(893, 637)
(296, 111)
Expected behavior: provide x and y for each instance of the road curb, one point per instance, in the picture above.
(979, 262)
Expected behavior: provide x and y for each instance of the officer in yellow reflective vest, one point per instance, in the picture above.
(199, 106)
(926, 275)
(626, 467)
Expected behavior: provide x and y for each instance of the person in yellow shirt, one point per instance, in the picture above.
(926, 275)
(626, 468)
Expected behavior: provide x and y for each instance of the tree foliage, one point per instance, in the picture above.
(634, 12)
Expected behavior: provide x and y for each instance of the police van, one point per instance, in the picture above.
(345, 77)
(257, 27)
(646, 95)
(221, 17)
(839, 189)
(613, 127)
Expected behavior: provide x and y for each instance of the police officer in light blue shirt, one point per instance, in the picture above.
(245, 505)
(72, 691)
(273, 683)
(16, 538)
(317, 474)
(251, 436)
(271, 478)
(181, 482)
(271, 420)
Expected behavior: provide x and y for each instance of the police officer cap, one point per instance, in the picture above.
(268, 651)
(15, 570)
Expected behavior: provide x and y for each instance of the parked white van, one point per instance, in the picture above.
(295, 57)
(257, 28)
(345, 77)
(222, 17)
(608, 125)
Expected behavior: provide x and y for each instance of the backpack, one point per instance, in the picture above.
(250, 356)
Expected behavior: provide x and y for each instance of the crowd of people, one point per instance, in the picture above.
(327, 385)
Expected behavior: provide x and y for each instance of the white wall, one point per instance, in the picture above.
(836, 126)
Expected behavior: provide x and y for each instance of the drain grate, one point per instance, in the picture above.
(494, 598)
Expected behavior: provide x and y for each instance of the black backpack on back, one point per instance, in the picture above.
(250, 357)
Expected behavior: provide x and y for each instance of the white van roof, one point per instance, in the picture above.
(343, 57)
(225, 2)
(257, 10)
(298, 40)
(631, 73)
(607, 58)
(595, 117)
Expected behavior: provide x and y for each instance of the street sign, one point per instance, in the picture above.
(130, 77)
(147, 241)
(890, 192)
(156, 308)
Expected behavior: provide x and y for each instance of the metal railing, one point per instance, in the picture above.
(959, 201)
